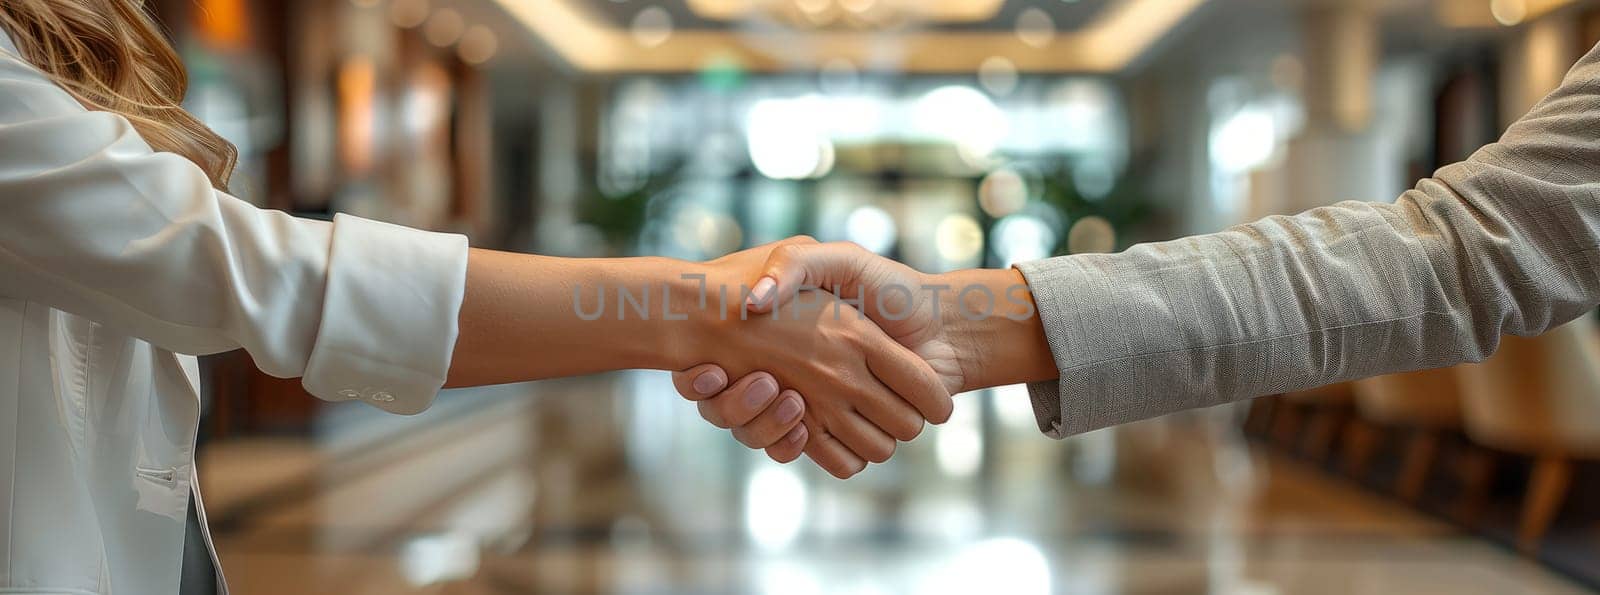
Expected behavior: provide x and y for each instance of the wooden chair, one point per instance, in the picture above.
(1426, 404)
(1323, 411)
(1539, 397)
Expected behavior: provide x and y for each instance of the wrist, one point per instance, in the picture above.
(637, 311)
(690, 308)
(993, 324)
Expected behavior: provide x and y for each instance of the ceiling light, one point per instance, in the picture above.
(1509, 12)
(652, 27)
(1036, 28)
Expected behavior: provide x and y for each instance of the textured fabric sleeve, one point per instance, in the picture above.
(1504, 242)
(93, 222)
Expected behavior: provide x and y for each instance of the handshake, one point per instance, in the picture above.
(834, 352)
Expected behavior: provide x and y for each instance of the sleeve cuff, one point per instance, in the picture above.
(389, 315)
(1052, 406)
(1121, 350)
(1047, 407)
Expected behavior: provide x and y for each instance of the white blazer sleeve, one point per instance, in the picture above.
(93, 222)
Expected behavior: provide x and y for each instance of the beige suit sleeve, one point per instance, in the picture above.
(1504, 242)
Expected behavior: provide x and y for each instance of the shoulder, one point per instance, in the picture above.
(11, 60)
(28, 93)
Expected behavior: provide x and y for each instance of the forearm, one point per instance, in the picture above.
(994, 327)
(1502, 243)
(534, 317)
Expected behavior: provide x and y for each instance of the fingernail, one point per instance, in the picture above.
(762, 291)
(798, 435)
(789, 410)
(760, 393)
(708, 383)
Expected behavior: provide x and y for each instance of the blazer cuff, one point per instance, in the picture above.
(1060, 410)
(389, 315)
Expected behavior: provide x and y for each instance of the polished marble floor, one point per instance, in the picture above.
(610, 484)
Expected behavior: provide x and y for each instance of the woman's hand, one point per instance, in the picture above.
(760, 417)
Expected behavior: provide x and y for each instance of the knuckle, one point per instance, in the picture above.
(785, 254)
(847, 246)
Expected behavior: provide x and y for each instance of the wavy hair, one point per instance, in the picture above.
(112, 57)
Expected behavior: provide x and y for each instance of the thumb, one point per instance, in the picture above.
(792, 266)
(700, 382)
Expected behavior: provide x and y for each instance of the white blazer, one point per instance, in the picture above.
(117, 265)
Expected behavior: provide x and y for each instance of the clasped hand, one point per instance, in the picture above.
(861, 365)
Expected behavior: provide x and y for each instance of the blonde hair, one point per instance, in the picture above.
(111, 56)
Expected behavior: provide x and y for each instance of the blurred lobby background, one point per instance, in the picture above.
(946, 134)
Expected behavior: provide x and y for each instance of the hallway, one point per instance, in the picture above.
(611, 484)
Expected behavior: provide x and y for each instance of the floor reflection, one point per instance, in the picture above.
(611, 484)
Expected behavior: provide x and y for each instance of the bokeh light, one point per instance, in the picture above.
(1245, 140)
(1093, 178)
(718, 234)
(1002, 192)
(1035, 27)
(1023, 237)
(444, 27)
(963, 116)
(408, 13)
(959, 239)
(786, 138)
(478, 45)
(998, 75)
(774, 507)
(1509, 12)
(871, 227)
(652, 26)
(959, 443)
(1091, 235)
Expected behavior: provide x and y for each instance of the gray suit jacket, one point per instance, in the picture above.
(1504, 242)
